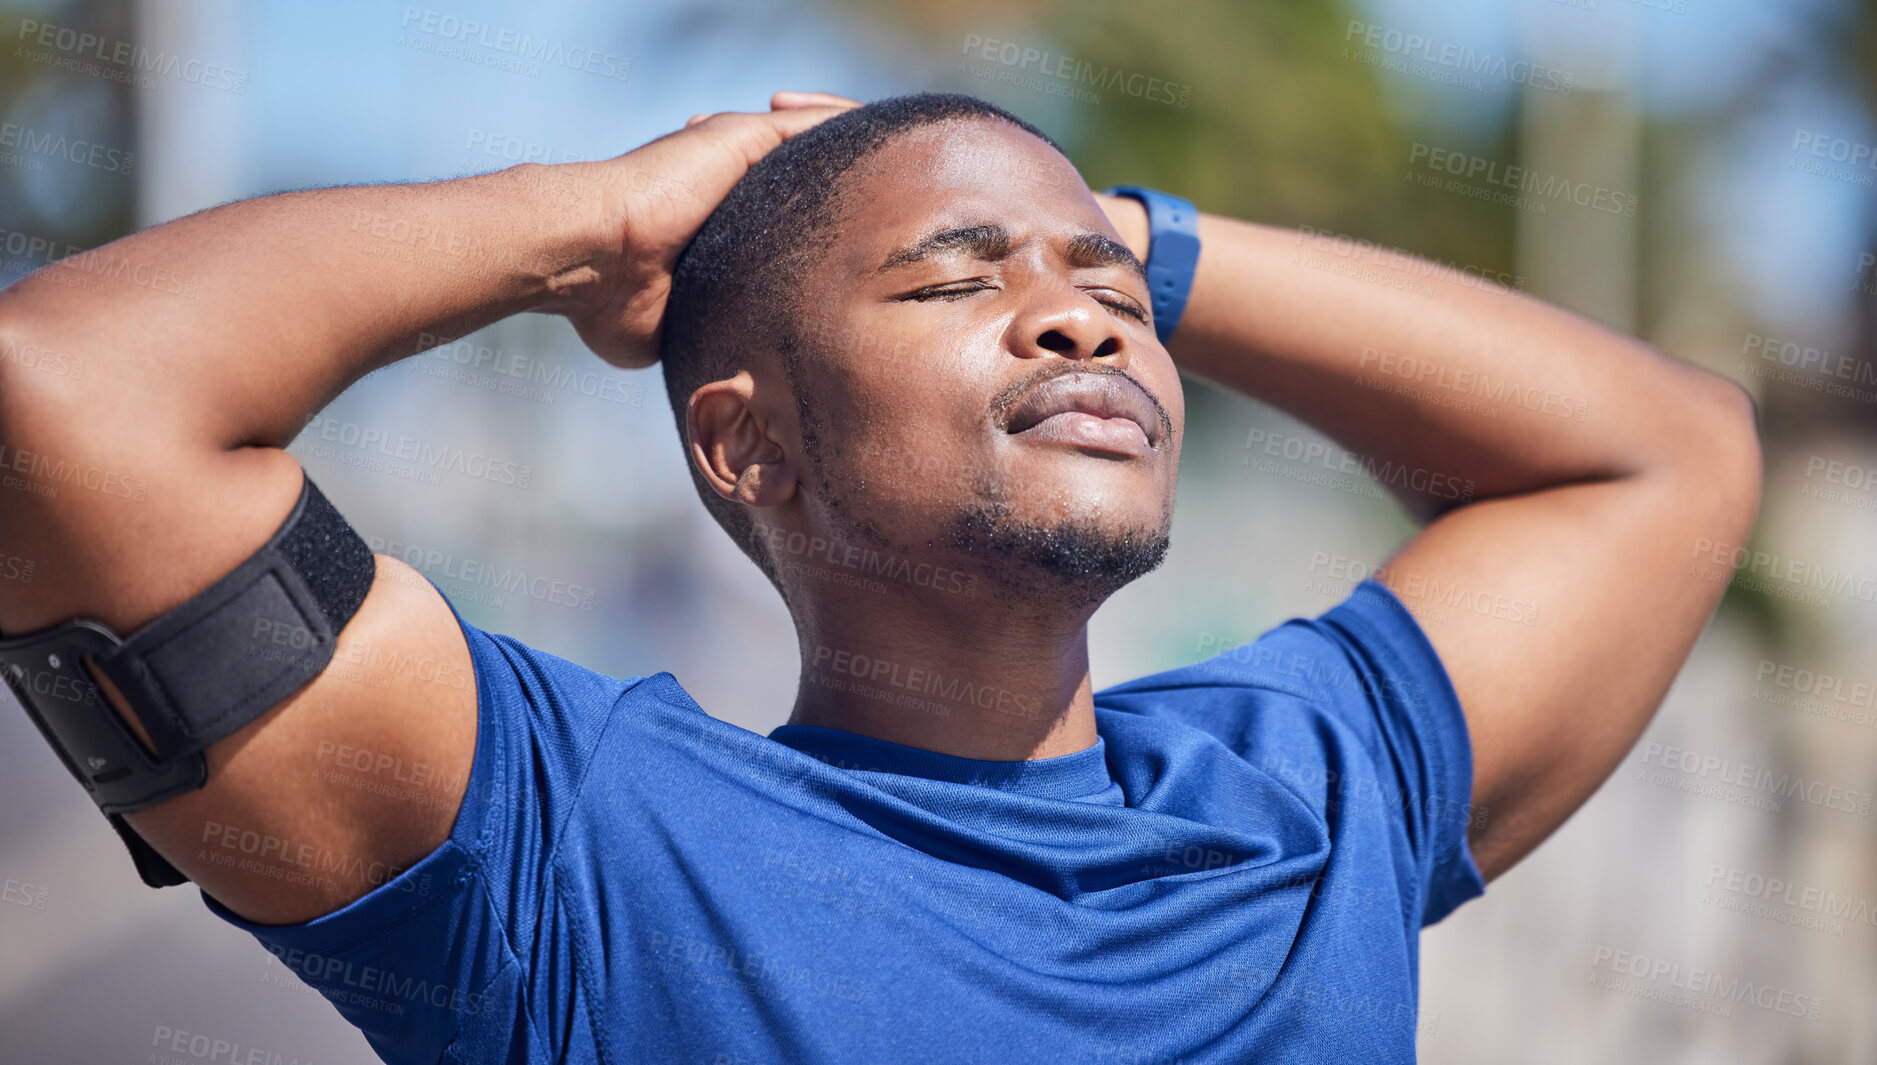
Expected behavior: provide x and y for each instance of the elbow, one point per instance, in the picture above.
(1738, 436)
(1720, 455)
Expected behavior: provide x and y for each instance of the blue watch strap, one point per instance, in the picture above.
(1172, 253)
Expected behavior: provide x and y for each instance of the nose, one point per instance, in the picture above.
(1062, 320)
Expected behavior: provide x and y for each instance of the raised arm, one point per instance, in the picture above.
(1569, 475)
(182, 406)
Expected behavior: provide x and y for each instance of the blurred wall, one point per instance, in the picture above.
(1733, 138)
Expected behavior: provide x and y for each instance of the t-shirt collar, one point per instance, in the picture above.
(1067, 776)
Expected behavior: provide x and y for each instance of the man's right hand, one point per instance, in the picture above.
(658, 197)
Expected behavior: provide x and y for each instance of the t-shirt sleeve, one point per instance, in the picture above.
(1353, 711)
(1406, 705)
(431, 956)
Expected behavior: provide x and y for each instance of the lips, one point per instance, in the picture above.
(1100, 395)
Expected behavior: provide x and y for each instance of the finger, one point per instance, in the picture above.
(694, 120)
(793, 120)
(756, 134)
(783, 101)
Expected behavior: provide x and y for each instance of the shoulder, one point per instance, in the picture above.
(1364, 655)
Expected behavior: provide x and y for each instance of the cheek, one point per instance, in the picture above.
(899, 416)
(921, 444)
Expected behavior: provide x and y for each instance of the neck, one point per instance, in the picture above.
(990, 677)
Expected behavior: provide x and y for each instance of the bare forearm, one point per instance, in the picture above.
(291, 298)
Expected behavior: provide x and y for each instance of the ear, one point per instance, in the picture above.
(731, 445)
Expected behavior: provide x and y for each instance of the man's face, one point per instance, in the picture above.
(972, 266)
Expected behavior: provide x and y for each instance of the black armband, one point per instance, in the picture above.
(197, 673)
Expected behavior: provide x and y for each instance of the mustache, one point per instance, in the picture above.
(1013, 394)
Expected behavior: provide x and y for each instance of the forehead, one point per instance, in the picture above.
(962, 172)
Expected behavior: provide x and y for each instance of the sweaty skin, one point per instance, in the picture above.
(1590, 519)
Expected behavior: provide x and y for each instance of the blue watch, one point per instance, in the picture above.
(1172, 253)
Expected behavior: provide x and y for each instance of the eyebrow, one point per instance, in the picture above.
(992, 243)
(1093, 249)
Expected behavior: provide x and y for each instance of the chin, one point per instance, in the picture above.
(1084, 557)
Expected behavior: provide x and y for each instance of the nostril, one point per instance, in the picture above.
(1055, 341)
(1106, 348)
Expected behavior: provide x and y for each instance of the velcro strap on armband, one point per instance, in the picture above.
(236, 650)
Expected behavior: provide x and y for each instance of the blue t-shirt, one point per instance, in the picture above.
(1238, 870)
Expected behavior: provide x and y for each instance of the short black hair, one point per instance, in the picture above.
(739, 279)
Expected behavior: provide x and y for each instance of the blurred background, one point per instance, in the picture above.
(1719, 157)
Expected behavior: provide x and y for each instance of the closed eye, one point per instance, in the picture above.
(949, 291)
(1124, 305)
(952, 290)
